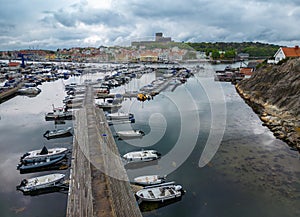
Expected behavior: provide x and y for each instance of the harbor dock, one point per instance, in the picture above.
(99, 184)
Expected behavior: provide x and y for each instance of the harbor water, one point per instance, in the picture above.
(250, 173)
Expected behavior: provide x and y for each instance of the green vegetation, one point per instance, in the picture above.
(231, 49)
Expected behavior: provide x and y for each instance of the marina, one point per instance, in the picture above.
(199, 183)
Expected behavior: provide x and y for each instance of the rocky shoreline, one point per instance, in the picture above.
(273, 92)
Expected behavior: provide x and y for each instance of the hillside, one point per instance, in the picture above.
(274, 93)
(254, 49)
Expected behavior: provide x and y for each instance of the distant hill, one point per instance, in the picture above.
(254, 49)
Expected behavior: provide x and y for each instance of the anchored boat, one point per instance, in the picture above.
(37, 165)
(161, 193)
(119, 116)
(57, 133)
(130, 134)
(42, 154)
(59, 113)
(149, 180)
(40, 182)
(141, 156)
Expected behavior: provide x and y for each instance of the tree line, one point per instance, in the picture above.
(229, 50)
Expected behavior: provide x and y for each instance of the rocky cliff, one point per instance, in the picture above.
(273, 92)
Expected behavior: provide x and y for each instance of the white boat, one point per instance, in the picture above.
(130, 134)
(59, 113)
(141, 156)
(50, 134)
(29, 91)
(149, 180)
(106, 105)
(160, 193)
(119, 116)
(41, 154)
(116, 122)
(40, 182)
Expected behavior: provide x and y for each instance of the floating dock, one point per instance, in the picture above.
(99, 184)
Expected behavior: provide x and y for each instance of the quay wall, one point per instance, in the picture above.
(99, 184)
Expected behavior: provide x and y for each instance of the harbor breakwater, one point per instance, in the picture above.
(273, 93)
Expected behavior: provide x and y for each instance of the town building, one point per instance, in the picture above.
(285, 52)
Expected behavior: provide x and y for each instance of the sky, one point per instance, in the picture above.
(38, 24)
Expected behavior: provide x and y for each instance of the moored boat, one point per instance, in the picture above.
(130, 134)
(40, 182)
(42, 154)
(149, 180)
(37, 165)
(119, 116)
(57, 133)
(59, 113)
(161, 192)
(141, 156)
(29, 91)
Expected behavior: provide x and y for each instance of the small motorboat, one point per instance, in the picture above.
(130, 134)
(29, 91)
(141, 156)
(160, 193)
(116, 122)
(149, 180)
(57, 133)
(119, 116)
(42, 154)
(40, 182)
(59, 114)
(42, 164)
(108, 106)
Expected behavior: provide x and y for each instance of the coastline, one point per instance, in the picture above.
(284, 125)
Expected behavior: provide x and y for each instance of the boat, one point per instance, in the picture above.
(119, 116)
(59, 113)
(141, 156)
(40, 182)
(108, 106)
(160, 193)
(37, 165)
(29, 91)
(149, 180)
(42, 154)
(57, 133)
(116, 122)
(130, 134)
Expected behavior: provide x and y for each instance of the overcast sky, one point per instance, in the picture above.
(56, 24)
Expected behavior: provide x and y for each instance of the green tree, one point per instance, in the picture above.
(215, 54)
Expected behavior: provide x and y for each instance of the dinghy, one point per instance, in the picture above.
(40, 182)
(160, 193)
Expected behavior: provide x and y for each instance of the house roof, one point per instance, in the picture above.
(291, 51)
(246, 71)
(13, 64)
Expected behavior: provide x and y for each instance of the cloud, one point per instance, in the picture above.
(111, 22)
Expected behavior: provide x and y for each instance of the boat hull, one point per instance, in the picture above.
(159, 194)
(40, 165)
(58, 133)
(36, 156)
(36, 184)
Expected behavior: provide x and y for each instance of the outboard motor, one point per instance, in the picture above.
(178, 188)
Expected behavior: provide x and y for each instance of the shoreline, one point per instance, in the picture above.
(283, 124)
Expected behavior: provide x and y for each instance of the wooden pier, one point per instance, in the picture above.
(99, 185)
(8, 94)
